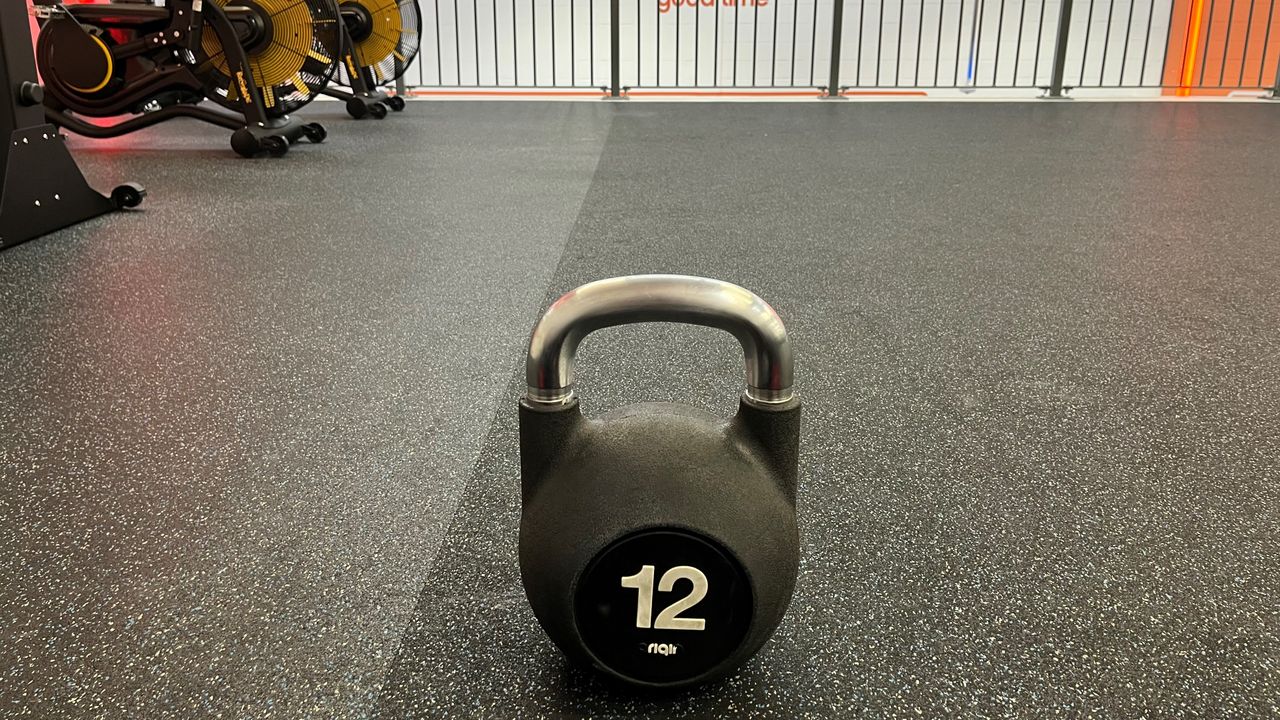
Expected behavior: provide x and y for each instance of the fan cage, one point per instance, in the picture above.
(389, 51)
(289, 71)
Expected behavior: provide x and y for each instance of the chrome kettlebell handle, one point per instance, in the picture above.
(553, 345)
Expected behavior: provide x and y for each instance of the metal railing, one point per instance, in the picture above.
(1207, 47)
(837, 47)
(513, 44)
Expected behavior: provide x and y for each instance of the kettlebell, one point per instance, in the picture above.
(658, 542)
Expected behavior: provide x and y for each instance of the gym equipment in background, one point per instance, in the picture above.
(42, 189)
(658, 542)
(260, 59)
(380, 40)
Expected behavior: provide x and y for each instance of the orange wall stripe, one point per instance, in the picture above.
(507, 93)
(726, 93)
(1192, 45)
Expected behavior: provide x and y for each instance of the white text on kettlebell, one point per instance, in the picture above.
(663, 648)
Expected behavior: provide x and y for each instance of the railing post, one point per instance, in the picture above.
(1275, 89)
(837, 34)
(615, 51)
(1060, 51)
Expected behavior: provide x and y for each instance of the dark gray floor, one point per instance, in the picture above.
(259, 441)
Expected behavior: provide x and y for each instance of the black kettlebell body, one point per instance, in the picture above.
(658, 542)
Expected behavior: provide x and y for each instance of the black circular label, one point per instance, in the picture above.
(663, 606)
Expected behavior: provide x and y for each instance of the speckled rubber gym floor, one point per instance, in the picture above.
(259, 450)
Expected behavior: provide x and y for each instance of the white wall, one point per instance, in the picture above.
(467, 26)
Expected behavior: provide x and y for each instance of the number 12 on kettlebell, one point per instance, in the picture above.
(658, 542)
(670, 618)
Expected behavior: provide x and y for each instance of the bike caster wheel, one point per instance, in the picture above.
(314, 132)
(275, 145)
(129, 195)
(378, 110)
(356, 108)
(244, 143)
(396, 103)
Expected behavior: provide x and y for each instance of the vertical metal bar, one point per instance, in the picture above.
(515, 43)
(879, 41)
(1035, 68)
(1248, 35)
(837, 23)
(495, 43)
(615, 51)
(1106, 41)
(1226, 44)
(715, 59)
(1168, 38)
(736, 16)
(858, 55)
(533, 11)
(755, 41)
(475, 28)
(1275, 89)
(677, 14)
(995, 69)
(919, 41)
(457, 44)
(975, 41)
(591, 40)
(573, 44)
(1128, 32)
(813, 44)
(857, 67)
(897, 66)
(959, 35)
(1208, 35)
(773, 55)
(1266, 44)
(657, 51)
(697, 38)
(1088, 33)
(639, 64)
(1060, 50)
(937, 52)
(795, 25)
(555, 78)
(1146, 44)
(439, 52)
(1017, 50)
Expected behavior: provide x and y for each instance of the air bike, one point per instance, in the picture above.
(379, 40)
(259, 59)
(41, 189)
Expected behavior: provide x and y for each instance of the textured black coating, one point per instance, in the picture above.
(777, 434)
(589, 482)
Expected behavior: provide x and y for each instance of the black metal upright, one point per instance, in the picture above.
(615, 50)
(1275, 89)
(1060, 51)
(42, 188)
(837, 34)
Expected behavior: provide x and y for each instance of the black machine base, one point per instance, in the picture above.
(41, 188)
(275, 137)
(44, 190)
(272, 138)
(367, 104)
